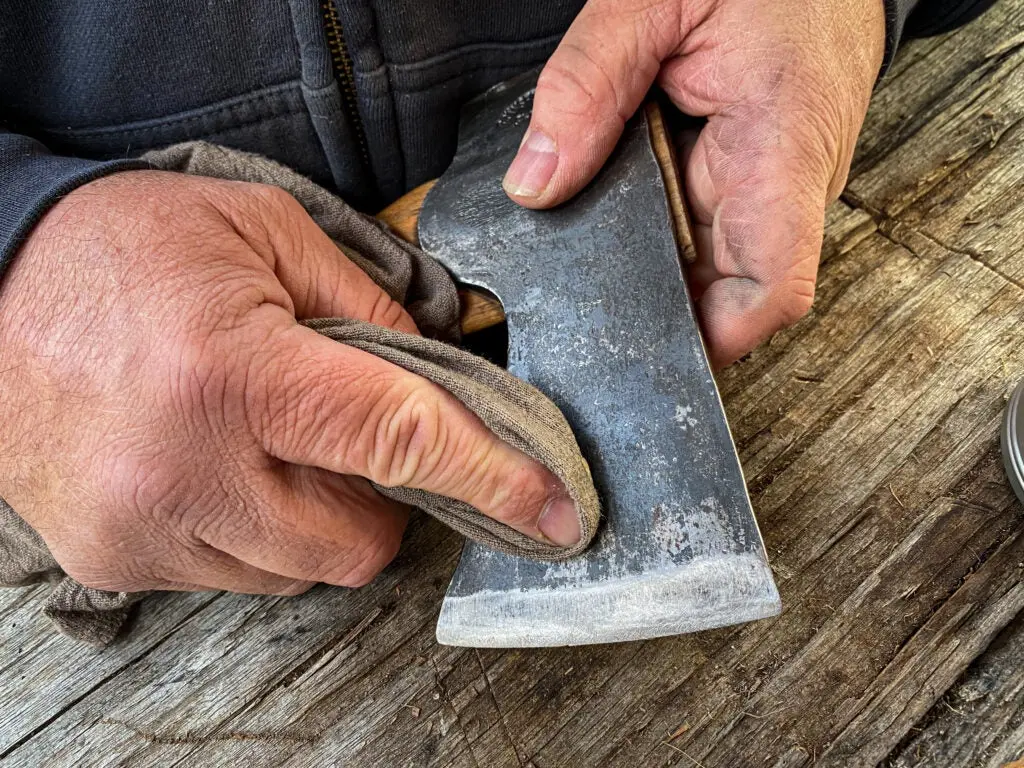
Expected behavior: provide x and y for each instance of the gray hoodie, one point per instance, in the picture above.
(362, 96)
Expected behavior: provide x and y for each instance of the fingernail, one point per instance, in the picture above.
(560, 523)
(530, 172)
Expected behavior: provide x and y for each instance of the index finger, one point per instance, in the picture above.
(319, 403)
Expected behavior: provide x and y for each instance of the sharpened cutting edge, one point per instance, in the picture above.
(704, 595)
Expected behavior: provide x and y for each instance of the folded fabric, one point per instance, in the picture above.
(516, 412)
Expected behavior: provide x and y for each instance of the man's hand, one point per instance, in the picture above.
(784, 86)
(165, 422)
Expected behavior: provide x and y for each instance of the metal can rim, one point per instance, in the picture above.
(1010, 440)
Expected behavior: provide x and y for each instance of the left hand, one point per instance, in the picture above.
(167, 423)
(784, 85)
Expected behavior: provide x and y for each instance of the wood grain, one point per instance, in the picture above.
(977, 722)
(868, 433)
(403, 214)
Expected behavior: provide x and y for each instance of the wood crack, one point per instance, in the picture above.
(99, 684)
(891, 227)
(497, 706)
(336, 644)
(310, 664)
(439, 682)
(970, 75)
(200, 740)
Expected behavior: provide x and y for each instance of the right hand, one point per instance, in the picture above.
(166, 423)
(784, 86)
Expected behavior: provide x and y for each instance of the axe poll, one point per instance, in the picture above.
(600, 320)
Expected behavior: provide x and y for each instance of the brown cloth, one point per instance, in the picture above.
(512, 409)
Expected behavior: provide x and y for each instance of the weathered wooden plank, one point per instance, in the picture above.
(244, 653)
(978, 723)
(933, 658)
(930, 79)
(979, 211)
(43, 672)
(964, 124)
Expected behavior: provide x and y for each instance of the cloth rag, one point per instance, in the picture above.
(516, 412)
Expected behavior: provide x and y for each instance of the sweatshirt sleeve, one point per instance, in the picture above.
(32, 179)
(934, 17)
(896, 14)
(922, 18)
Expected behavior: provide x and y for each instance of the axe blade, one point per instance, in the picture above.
(600, 320)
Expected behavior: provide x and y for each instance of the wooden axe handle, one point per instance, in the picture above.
(479, 310)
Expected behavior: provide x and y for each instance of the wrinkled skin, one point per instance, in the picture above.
(784, 86)
(167, 424)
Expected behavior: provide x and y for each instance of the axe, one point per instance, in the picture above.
(600, 320)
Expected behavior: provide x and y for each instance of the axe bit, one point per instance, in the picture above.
(600, 320)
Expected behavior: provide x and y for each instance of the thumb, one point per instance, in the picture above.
(590, 87)
(332, 406)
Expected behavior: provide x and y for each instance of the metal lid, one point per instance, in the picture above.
(1011, 439)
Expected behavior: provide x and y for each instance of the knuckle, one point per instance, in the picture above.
(576, 84)
(266, 219)
(666, 24)
(274, 197)
(225, 513)
(826, 119)
(109, 573)
(108, 532)
(203, 379)
(409, 437)
(519, 509)
(102, 580)
(294, 589)
(283, 399)
(820, 150)
(146, 487)
(169, 506)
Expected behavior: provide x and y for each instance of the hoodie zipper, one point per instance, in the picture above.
(341, 62)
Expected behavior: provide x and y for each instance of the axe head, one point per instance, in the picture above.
(599, 319)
